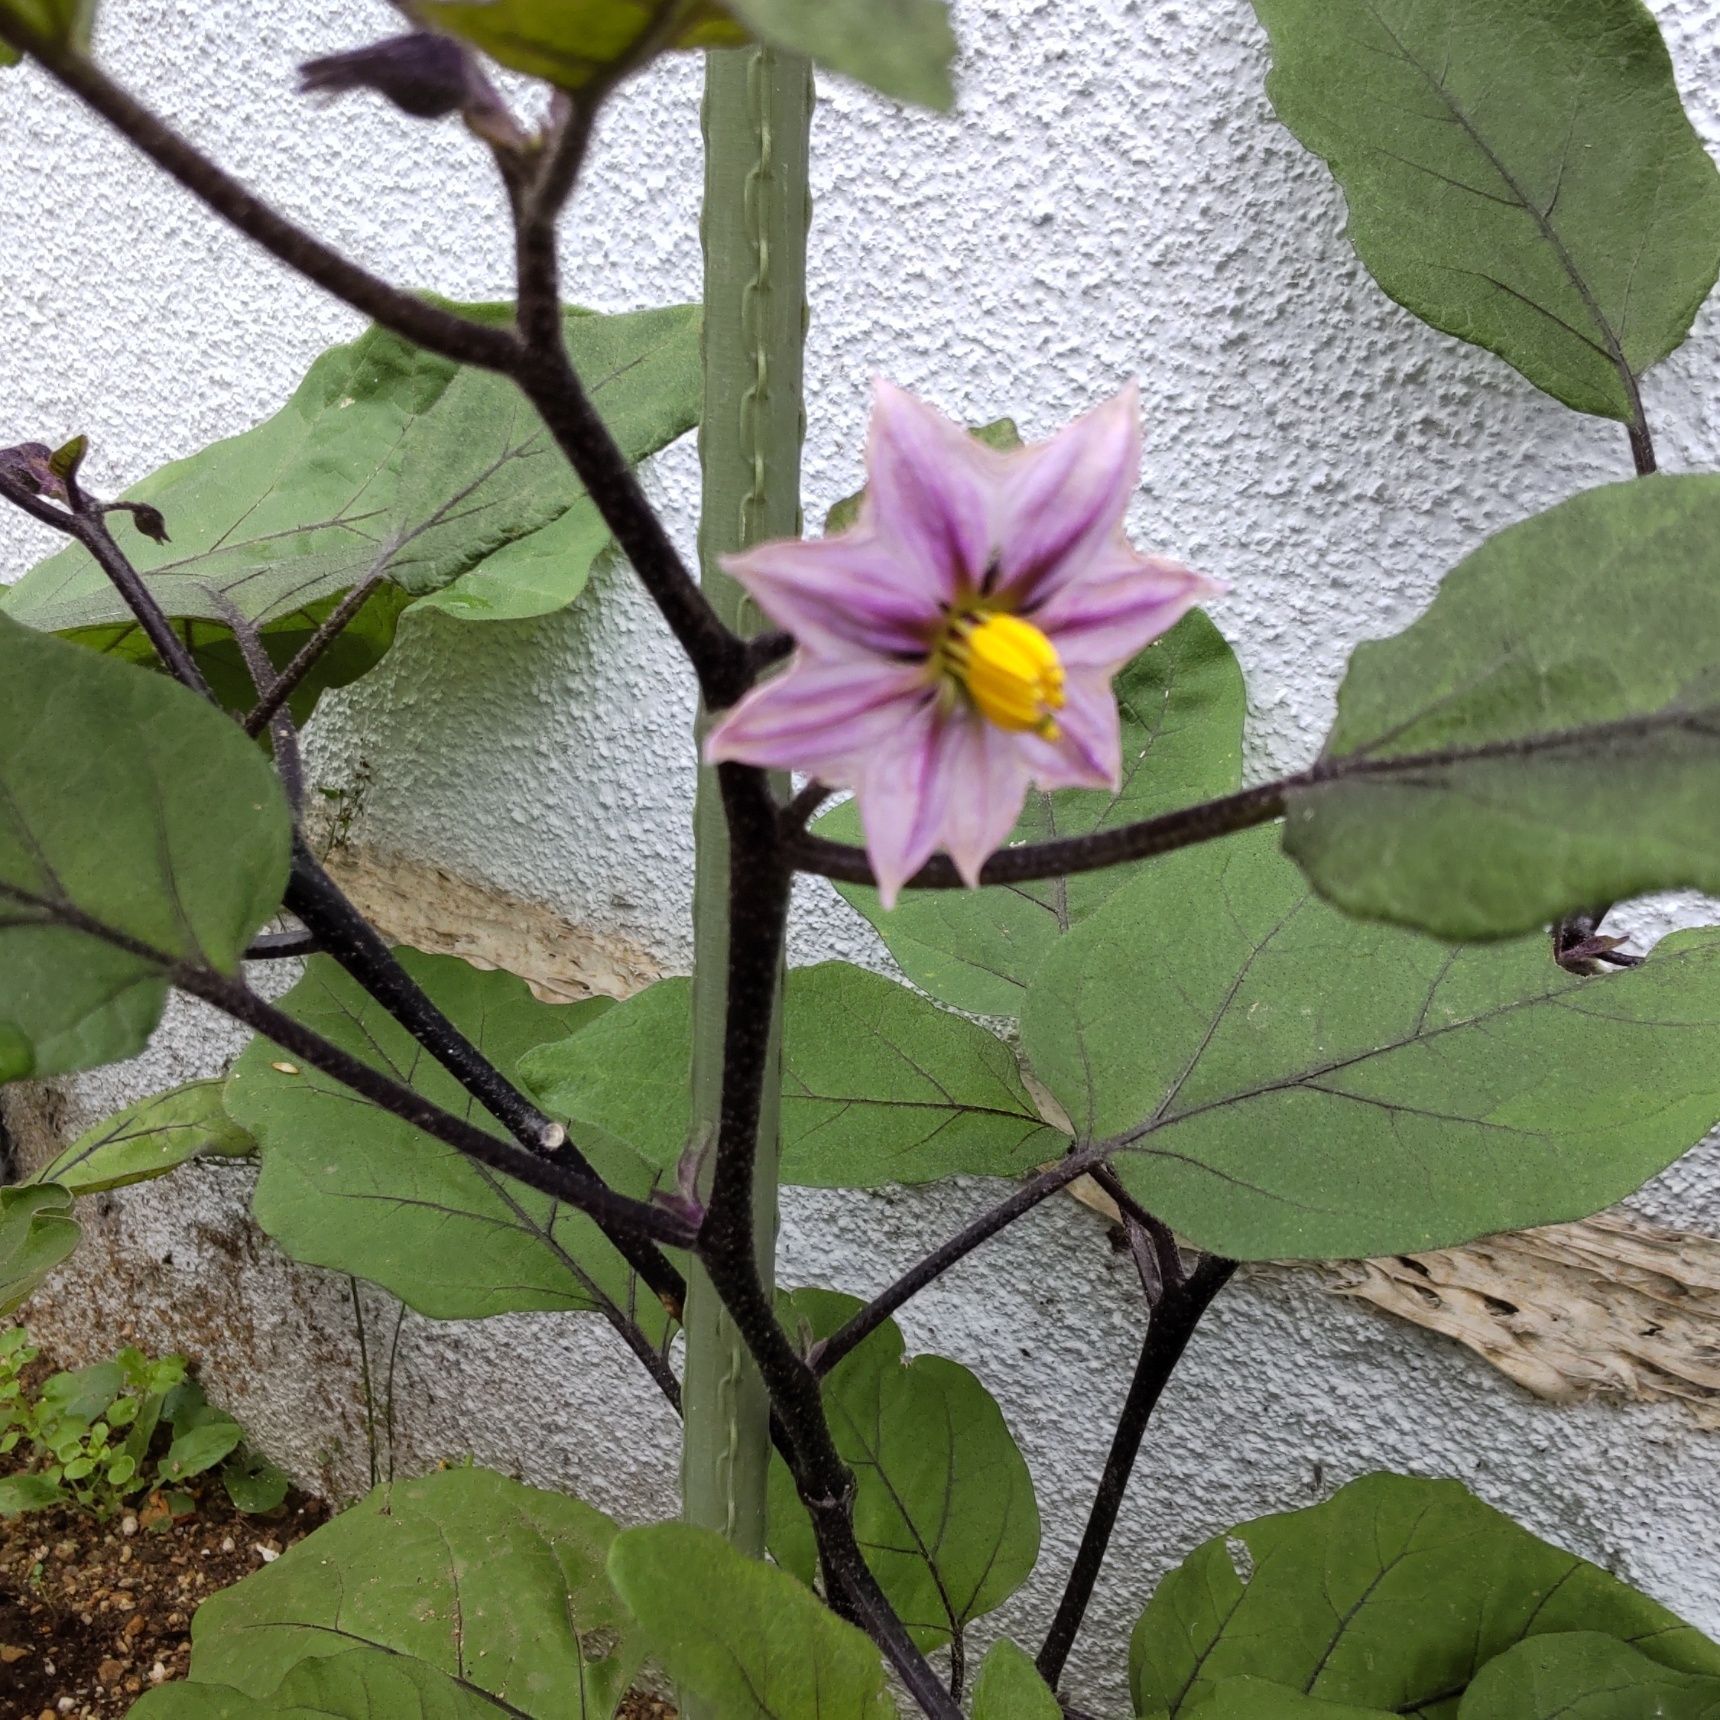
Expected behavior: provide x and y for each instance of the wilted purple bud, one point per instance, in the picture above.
(148, 520)
(32, 465)
(425, 75)
(684, 1199)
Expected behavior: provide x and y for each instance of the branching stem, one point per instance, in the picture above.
(425, 324)
(1172, 1324)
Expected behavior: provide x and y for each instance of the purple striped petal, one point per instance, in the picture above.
(1100, 622)
(984, 782)
(896, 798)
(1064, 501)
(930, 493)
(838, 594)
(821, 717)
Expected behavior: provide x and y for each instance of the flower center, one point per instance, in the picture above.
(1010, 669)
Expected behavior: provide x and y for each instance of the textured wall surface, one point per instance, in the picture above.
(1114, 199)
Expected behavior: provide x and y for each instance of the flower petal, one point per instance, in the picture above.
(983, 775)
(930, 492)
(1088, 752)
(896, 814)
(955, 783)
(1100, 622)
(840, 593)
(1065, 499)
(820, 716)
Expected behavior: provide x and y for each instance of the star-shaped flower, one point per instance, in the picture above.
(958, 643)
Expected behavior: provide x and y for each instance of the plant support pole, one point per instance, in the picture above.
(758, 106)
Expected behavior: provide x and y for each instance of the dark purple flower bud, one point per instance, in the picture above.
(148, 520)
(425, 75)
(32, 465)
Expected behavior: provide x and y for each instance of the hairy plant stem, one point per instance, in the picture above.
(728, 1245)
(273, 695)
(283, 731)
(1171, 1325)
(757, 115)
(1574, 947)
(846, 1338)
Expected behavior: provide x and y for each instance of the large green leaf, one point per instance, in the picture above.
(944, 1508)
(367, 1684)
(37, 1232)
(878, 1084)
(1520, 175)
(1009, 1687)
(1182, 705)
(1586, 1676)
(481, 1579)
(1546, 737)
(574, 43)
(1393, 1594)
(349, 1186)
(148, 1139)
(382, 444)
(747, 1638)
(1312, 1085)
(138, 829)
(1255, 1699)
(903, 47)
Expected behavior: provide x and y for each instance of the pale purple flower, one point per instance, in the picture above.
(959, 642)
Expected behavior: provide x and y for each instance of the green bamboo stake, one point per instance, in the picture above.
(758, 108)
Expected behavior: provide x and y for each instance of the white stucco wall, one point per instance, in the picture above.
(1113, 199)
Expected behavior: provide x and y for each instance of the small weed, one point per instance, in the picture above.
(98, 1438)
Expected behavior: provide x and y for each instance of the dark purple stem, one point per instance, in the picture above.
(1173, 1323)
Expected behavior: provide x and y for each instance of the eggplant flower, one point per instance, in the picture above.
(958, 643)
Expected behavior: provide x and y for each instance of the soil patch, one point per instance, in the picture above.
(93, 1614)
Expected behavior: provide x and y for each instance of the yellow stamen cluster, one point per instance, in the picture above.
(1009, 668)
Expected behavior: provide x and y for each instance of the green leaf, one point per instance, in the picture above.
(1182, 705)
(747, 1638)
(348, 1186)
(252, 1482)
(1586, 1676)
(1010, 1688)
(575, 43)
(201, 1448)
(67, 23)
(37, 1232)
(903, 48)
(81, 1394)
(944, 1508)
(878, 1084)
(1546, 737)
(368, 1684)
(1393, 1594)
(384, 454)
(20, 1493)
(1254, 1699)
(130, 813)
(1314, 1086)
(1521, 176)
(476, 1576)
(148, 1139)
